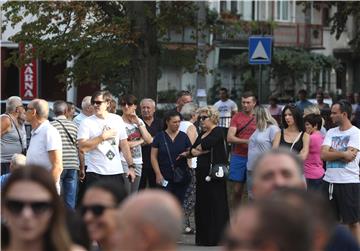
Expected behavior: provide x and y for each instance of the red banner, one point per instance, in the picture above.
(28, 75)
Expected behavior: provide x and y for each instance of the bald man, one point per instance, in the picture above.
(276, 169)
(149, 220)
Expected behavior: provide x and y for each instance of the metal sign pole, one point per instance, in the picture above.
(260, 84)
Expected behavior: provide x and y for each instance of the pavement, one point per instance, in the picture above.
(187, 243)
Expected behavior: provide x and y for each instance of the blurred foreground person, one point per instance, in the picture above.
(98, 209)
(13, 135)
(269, 226)
(276, 169)
(33, 213)
(17, 160)
(149, 220)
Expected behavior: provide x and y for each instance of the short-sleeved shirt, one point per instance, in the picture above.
(45, 138)
(313, 165)
(105, 158)
(239, 120)
(225, 109)
(180, 144)
(153, 129)
(260, 142)
(338, 171)
(134, 134)
(70, 156)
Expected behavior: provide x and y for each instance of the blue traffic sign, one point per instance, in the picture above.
(260, 50)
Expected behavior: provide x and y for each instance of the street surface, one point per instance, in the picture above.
(187, 243)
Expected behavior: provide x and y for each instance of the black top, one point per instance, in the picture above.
(215, 141)
(153, 129)
(297, 146)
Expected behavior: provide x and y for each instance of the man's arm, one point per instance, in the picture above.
(125, 149)
(55, 157)
(5, 125)
(231, 138)
(330, 154)
(86, 145)
(82, 165)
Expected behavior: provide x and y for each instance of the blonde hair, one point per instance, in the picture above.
(263, 118)
(311, 109)
(210, 111)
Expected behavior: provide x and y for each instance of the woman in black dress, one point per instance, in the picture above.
(211, 209)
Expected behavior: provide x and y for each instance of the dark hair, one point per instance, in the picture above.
(314, 120)
(129, 99)
(296, 113)
(223, 89)
(249, 94)
(105, 94)
(117, 191)
(183, 93)
(169, 115)
(56, 237)
(273, 98)
(320, 93)
(282, 224)
(77, 229)
(345, 106)
(302, 91)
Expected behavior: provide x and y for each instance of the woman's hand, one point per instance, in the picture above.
(159, 178)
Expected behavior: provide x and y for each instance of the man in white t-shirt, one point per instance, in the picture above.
(45, 148)
(226, 107)
(101, 135)
(340, 150)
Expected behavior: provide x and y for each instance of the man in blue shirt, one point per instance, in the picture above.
(303, 102)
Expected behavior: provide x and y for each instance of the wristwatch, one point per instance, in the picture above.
(132, 166)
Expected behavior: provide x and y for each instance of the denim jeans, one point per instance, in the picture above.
(69, 183)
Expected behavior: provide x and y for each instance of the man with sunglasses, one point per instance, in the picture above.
(340, 150)
(101, 135)
(13, 135)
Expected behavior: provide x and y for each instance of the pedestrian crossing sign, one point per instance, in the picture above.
(260, 50)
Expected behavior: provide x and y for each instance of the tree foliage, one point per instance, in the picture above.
(112, 42)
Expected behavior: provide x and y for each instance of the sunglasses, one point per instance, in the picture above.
(94, 102)
(38, 207)
(96, 210)
(126, 103)
(202, 118)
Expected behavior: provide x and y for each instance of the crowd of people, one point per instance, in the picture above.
(101, 181)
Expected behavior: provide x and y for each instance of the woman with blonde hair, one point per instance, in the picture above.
(211, 207)
(261, 140)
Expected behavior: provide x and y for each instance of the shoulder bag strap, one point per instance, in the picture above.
(296, 140)
(242, 128)
(168, 151)
(67, 132)
(12, 120)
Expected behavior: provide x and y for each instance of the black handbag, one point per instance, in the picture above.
(218, 171)
(180, 175)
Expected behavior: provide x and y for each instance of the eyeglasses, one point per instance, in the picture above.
(126, 103)
(96, 210)
(96, 102)
(202, 118)
(38, 207)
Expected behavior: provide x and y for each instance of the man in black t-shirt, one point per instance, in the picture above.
(153, 125)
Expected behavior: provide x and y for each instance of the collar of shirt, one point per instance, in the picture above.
(37, 130)
(60, 117)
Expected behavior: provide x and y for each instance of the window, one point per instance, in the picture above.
(223, 6)
(234, 7)
(247, 10)
(282, 10)
(325, 17)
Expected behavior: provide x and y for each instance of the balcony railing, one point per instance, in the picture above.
(285, 34)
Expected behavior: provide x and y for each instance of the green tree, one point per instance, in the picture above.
(115, 43)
